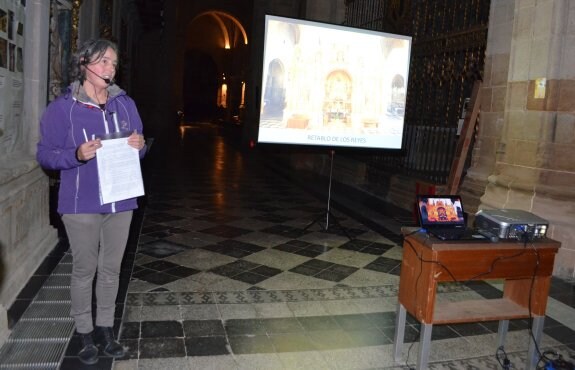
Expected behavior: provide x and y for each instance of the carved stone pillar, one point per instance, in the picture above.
(493, 97)
(531, 167)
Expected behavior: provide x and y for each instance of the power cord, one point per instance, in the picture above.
(558, 363)
(502, 358)
(416, 283)
(543, 356)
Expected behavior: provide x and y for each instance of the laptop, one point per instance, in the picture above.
(443, 217)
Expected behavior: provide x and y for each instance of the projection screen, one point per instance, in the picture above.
(330, 85)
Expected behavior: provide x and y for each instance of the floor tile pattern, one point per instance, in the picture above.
(230, 265)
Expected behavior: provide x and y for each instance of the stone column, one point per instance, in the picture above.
(493, 97)
(533, 167)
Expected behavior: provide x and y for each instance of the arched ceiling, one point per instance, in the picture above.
(216, 28)
(210, 27)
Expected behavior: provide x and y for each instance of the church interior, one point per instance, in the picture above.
(246, 254)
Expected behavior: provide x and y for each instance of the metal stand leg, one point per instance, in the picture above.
(424, 344)
(537, 330)
(399, 332)
(328, 212)
(502, 332)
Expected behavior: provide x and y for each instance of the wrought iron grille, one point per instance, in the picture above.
(448, 50)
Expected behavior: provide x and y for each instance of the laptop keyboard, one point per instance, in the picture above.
(448, 234)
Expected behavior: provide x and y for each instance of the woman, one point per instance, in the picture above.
(93, 106)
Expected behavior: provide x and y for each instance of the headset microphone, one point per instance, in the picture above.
(105, 79)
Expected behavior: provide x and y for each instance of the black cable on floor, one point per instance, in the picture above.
(502, 358)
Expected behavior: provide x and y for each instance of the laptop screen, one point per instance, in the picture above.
(440, 210)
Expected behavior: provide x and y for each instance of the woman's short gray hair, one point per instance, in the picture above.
(90, 51)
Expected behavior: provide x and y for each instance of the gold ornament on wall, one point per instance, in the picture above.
(76, 4)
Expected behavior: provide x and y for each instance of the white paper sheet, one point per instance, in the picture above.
(119, 171)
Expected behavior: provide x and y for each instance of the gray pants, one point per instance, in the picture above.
(98, 242)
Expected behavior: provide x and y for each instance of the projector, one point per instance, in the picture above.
(511, 224)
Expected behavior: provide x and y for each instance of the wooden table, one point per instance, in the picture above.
(427, 261)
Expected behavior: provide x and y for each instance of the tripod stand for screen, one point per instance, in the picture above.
(328, 213)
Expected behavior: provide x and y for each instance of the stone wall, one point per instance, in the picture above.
(26, 236)
(524, 150)
(493, 98)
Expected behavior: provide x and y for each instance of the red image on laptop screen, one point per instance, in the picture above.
(440, 210)
(443, 217)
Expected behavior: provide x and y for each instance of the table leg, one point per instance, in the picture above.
(399, 332)
(502, 332)
(532, 353)
(424, 344)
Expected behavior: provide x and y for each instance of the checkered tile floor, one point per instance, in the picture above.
(233, 267)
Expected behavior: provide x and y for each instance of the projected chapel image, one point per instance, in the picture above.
(332, 85)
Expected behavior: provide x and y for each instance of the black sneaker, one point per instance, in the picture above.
(105, 340)
(89, 352)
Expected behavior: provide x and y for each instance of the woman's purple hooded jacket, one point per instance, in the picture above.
(62, 128)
